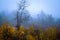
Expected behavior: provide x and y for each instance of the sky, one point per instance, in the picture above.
(48, 6)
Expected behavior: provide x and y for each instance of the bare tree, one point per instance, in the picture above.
(20, 11)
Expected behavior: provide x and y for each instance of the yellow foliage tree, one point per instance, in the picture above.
(21, 33)
(51, 34)
(7, 32)
(30, 37)
(30, 30)
(31, 34)
(4, 31)
(41, 34)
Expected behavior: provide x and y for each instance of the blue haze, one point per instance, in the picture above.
(48, 6)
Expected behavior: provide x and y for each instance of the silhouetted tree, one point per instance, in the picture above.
(57, 24)
(2, 17)
(50, 20)
(20, 12)
(42, 19)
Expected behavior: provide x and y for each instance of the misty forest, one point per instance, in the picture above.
(21, 25)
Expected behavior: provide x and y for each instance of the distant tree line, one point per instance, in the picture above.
(42, 20)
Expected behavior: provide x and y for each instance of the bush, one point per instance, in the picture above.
(8, 32)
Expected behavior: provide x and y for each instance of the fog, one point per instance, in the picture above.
(42, 13)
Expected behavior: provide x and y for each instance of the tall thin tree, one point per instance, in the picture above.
(21, 8)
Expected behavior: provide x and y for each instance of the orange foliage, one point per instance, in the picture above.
(8, 32)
